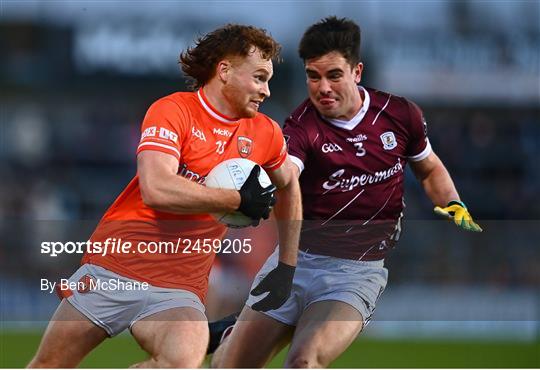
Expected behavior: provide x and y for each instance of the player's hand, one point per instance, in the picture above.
(255, 201)
(278, 283)
(457, 211)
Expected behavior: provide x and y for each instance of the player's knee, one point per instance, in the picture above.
(178, 362)
(303, 361)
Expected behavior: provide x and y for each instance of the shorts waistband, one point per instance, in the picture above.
(375, 263)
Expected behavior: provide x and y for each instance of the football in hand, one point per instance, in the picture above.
(231, 174)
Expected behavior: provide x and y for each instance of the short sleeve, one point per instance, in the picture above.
(297, 142)
(419, 147)
(277, 152)
(163, 128)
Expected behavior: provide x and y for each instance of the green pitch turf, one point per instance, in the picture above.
(16, 349)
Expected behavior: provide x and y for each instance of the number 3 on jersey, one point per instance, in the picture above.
(360, 151)
(220, 146)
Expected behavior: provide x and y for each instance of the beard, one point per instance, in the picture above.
(238, 101)
(327, 112)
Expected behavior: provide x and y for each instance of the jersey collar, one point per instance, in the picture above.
(211, 110)
(355, 121)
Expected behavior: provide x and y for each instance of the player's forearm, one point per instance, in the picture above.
(439, 186)
(288, 213)
(178, 195)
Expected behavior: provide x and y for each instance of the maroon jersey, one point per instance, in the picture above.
(353, 173)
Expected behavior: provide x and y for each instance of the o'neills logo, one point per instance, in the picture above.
(86, 283)
(358, 138)
(338, 180)
(245, 145)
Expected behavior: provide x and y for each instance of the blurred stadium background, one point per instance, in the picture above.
(76, 79)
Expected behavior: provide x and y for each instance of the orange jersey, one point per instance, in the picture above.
(187, 127)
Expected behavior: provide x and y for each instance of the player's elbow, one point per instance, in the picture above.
(149, 199)
(150, 196)
(290, 190)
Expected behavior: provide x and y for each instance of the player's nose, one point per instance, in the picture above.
(265, 90)
(324, 86)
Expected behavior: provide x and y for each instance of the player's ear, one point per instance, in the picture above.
(357, 70)
(222, 70)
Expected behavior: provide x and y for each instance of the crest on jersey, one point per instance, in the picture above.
(245, 146)
(85, 283)
(389, 140)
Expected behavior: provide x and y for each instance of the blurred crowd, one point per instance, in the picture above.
(76, 80)
(65, 159)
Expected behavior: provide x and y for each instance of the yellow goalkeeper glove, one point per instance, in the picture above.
(457, 211)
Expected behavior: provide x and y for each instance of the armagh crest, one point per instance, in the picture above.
(245, 146)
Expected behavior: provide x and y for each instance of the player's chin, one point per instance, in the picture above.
(329, 112)
(249, 112)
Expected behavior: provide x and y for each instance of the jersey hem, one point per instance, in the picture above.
(159, 148)
(422, 155)
(374, 257)
(274, 167)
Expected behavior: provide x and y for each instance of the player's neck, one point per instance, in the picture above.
(350, 123)
(356, 107)
(354, 110)
(213, 94)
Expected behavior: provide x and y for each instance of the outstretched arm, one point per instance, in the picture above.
(435, 179)
(440, 188)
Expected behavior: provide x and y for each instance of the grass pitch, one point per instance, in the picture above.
(16, 349)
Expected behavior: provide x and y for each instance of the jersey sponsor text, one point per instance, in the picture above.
(336, 180)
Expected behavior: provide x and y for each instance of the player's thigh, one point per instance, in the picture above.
(68, 338)
(177, 337)
(255, 339)
(325, 330)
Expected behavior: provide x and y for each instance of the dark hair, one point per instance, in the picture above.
(331, 34)
(199, 62)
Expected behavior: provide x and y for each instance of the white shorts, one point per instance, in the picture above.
(323, 278)
(117, 302)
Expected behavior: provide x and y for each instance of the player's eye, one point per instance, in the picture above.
(335, 76)
(260, 78)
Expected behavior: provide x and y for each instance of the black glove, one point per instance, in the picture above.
(255, 201)
(278, 283)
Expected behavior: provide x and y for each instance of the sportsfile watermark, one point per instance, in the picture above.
(121, 246)
(433, 268)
